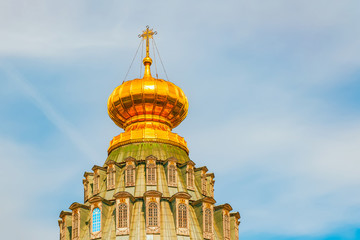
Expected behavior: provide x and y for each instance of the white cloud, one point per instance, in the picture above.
(261, 63)
(290, 174)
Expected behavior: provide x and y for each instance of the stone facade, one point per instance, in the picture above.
(159, 210)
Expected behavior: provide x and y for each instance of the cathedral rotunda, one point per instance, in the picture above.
(148, 188)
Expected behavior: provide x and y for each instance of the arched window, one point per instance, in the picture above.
(190, 178)
(63, 230)
(153, 214)
(123, 215)
(172, 175)
(208, 221)
(182, 215)
(96, 220)
(130, 175)
(226, 226)
(111, 178)
(86, 194)
(151, 174)
(203, 184)
(212, 189)
(76, 225)
(96, 183)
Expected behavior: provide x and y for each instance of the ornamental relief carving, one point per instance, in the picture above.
(153, 214)
(182, 231)
(123, 225)
(122, 231)
(95, 235)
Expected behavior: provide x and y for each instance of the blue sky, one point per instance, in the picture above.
(274, 110)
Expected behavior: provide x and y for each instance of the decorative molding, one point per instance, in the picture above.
(129, 159)
(152, 197)
(127, 199)
(212, 175)
(95, 167)
(76, 205)
(64, 213)
(225, 206)
(204, 200)
(110, 162)
(152, 193)
(204, 168)
(151, 157)
(235, 214)
(96, 199)
(171, 159)
(183, 195)
(124, 194)
(86, 174)
(181, 198)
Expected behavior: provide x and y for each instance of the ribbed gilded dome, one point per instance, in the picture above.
(147, 99)
(147, 108)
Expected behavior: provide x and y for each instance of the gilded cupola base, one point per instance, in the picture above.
(149, 132)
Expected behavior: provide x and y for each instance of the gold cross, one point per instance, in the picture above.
(148, 33)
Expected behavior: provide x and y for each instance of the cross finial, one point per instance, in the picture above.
(147, 34)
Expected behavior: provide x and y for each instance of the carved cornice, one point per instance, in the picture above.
(184, 195)
(76, 205)
(64, 213)
(95, 167)
(109, 162)
(152, 193)
(204, 168)
(236, 215)
(124, 194)
(96, 199)
(171, 159)
(151, 157)
(225, 206)
(210, 175)
(129, 159)
(205, 199)
(88, 174)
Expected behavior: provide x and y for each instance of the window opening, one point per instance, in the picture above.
(182, 211)
(130, 176)
(96, 220)
(208, 221)
(151, 176)
(190, 178)
(123, 211)
(153, 214)
(172, 175)
(227, 226)
(76, 225)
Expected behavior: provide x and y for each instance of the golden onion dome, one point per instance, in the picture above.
(147, 108)
(147, 99)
